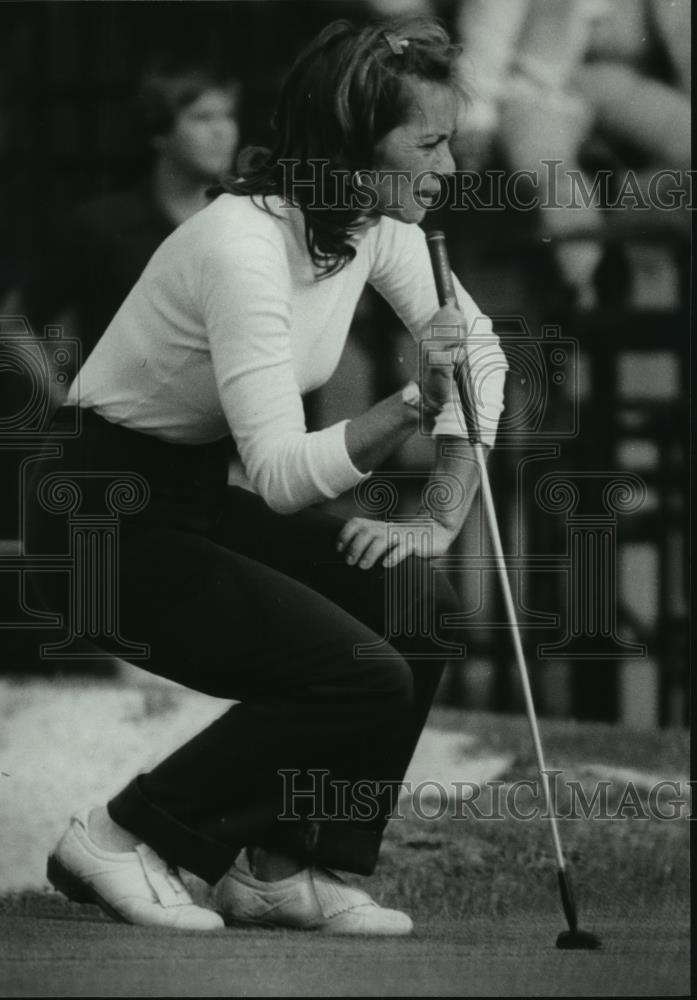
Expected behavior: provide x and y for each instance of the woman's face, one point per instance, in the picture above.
(411, 159)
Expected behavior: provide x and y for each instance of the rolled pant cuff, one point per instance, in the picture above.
(176, 843)
(329, 844)
(349, 848)
(341, 845)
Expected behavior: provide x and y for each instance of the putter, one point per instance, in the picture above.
(573, 938)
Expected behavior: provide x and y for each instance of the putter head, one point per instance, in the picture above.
(582, 940)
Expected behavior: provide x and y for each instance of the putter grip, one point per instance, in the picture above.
(445, 288)
(441, 268)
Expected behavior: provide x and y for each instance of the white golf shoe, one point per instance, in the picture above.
(137, 886)
(314, 899)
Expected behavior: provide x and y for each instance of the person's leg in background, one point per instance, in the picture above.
(542, 131)
(654, 119)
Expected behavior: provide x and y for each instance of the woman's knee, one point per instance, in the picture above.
(385, 684)
(396, 681)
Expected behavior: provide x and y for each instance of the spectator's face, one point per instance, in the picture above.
(419, 149)
(205, 135)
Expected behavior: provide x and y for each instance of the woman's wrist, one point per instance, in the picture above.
(375, 434)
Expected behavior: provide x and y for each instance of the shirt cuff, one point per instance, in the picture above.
(336, 471)
(451, 422)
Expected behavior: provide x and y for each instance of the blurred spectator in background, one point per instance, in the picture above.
(87, 265)
(190, 119)
(550, 75)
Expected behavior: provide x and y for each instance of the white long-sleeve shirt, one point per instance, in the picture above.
(228, 327)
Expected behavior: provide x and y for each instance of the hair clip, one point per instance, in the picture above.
(398, 45)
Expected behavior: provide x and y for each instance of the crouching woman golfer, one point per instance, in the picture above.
(254, 594)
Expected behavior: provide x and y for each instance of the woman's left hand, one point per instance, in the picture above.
(365, 541)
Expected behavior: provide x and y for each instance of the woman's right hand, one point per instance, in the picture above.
(364, 541)
(441, 347)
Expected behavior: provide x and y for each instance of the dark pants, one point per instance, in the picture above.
(240, 602)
